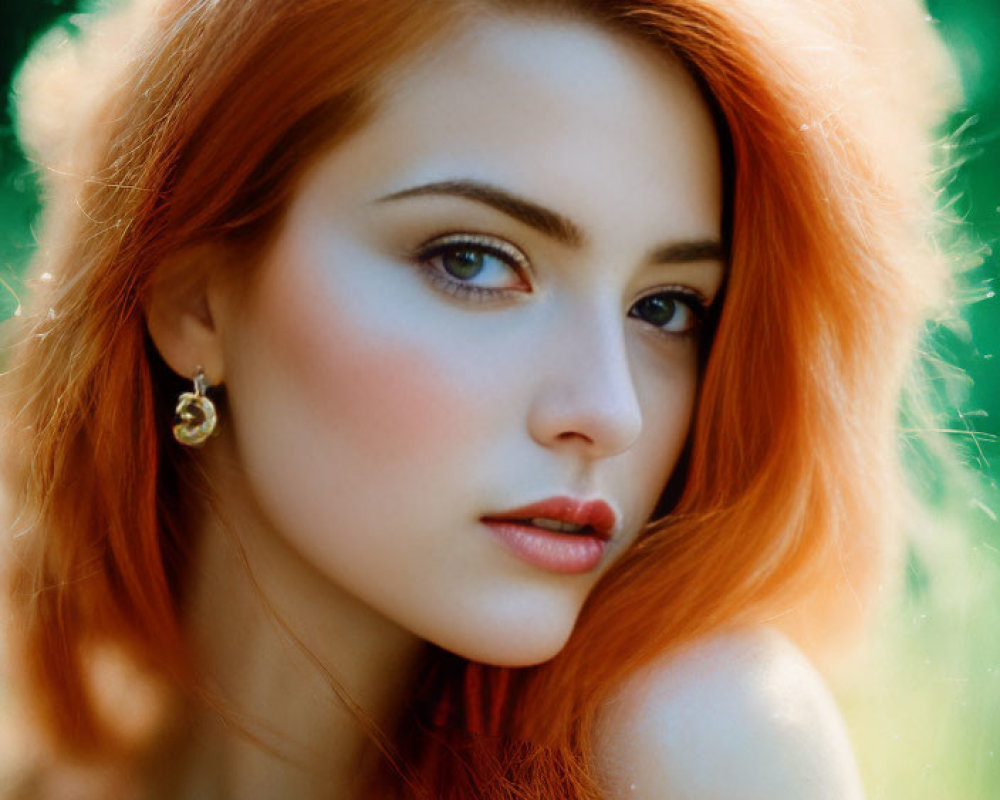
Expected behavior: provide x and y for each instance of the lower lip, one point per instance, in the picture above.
(568, 553)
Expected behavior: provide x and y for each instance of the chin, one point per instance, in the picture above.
(517, 641)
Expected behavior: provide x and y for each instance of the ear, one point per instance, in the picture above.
(178, 306)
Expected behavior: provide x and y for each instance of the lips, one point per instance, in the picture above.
(563, 515)
(559, 535)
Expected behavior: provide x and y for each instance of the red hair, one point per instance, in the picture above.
(793, 475)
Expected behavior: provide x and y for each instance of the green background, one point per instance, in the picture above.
(924, 705)
(972, 29)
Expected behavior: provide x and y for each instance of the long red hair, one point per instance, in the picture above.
(791, 487)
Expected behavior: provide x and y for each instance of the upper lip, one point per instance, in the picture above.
(595, 514)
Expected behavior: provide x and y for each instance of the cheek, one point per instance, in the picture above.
(349, 375)
(350, 422)
(667, 394)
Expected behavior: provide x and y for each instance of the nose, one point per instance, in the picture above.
(586, 398)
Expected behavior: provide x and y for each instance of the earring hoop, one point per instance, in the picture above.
(195, 417)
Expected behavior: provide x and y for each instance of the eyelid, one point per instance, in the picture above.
(698, 305)
(509, 255)
(701, 301)
(500, 247)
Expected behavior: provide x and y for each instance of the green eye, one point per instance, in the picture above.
(463, 264)
(676, 311)
(658, 310)
(475, 266)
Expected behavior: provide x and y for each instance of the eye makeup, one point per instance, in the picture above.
(484, 268)
(474, 266)
(672, 311)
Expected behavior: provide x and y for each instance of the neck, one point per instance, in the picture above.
(284, 654)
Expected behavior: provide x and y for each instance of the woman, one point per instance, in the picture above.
(382, 430)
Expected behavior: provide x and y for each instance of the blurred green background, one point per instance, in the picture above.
(972, 30)
(924, 706)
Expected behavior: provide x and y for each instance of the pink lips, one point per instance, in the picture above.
(573, 551)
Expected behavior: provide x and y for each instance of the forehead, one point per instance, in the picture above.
(558, 110)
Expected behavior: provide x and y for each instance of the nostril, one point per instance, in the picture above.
(571, 435)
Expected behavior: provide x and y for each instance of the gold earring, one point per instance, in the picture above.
(195, 417)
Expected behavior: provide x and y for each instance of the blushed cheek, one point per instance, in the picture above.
(358, 377)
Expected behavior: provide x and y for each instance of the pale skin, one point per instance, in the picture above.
(378, 407)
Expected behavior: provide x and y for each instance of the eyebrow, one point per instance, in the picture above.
(531, 214)
(549, 222)
(689, 252)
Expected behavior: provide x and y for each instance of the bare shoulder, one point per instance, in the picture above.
(741, 714)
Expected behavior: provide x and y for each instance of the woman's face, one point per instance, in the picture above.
(487, 298)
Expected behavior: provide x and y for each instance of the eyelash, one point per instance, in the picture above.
(693, 301)
(513, 258)
(453, 243)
